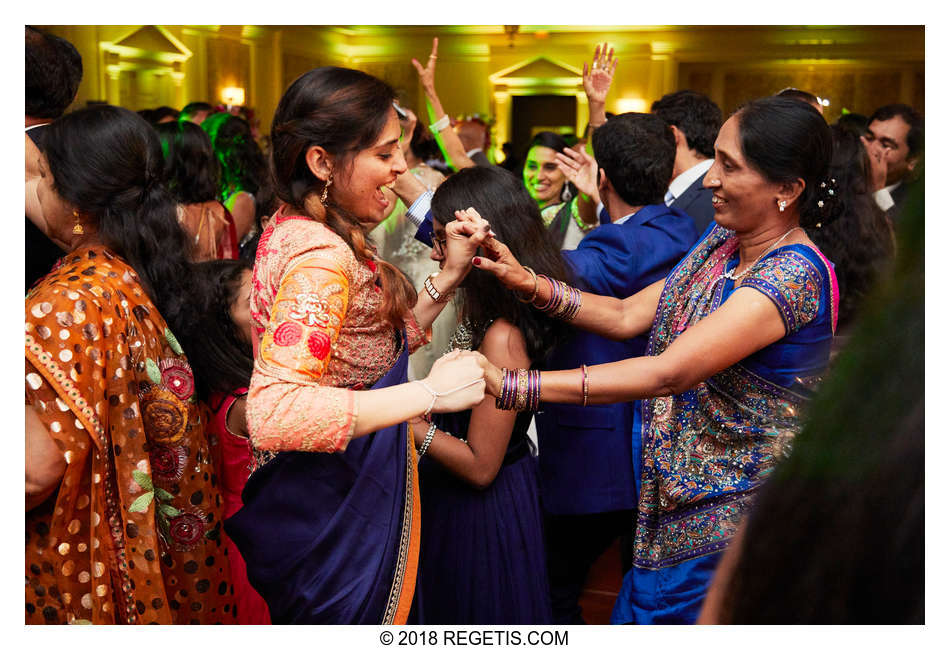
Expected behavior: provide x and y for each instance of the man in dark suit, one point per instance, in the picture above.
(53, 72)
(695, 120)
(896, 133)
(590, 456)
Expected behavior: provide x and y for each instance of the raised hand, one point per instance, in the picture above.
(427, 74)
(408, 126)
(462, 239)
(581, 169)
(499, 261)
(878, 166)
(598, 77)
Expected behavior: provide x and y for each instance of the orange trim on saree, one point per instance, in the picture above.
(407, 563)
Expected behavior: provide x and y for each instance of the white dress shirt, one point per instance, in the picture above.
(682, 182)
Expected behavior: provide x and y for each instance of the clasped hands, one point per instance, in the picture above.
(464, 236)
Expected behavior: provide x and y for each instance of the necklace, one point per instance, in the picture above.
(736, 277)
(462, 338)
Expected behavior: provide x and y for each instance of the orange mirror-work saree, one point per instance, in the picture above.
(133, 533)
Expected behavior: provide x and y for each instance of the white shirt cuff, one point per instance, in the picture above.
(883, 199)
(417, 211)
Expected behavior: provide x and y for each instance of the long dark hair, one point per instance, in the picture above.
(107, 162)
(500, 196)
(860, 242)
(242, 163)
(220, 357)
(787, 139)
(343, 111)
(191, 168)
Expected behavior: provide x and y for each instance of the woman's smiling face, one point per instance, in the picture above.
(542, 176)
(359, 189)
(742, 195)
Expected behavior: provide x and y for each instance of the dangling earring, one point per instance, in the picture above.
(326, 189)
(781, 205)
(566, 193)
(77, 228)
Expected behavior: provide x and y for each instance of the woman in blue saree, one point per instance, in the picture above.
(740, 331)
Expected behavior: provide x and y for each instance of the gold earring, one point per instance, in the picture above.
(326, 189)
(77, 228)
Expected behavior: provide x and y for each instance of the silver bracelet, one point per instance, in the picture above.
(436, 395)
(439, 124)
(430, 434)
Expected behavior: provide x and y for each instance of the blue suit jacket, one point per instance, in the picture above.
(587, 454)
(696, 201)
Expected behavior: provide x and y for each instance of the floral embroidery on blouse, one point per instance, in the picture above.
(315, 308)
(311, 310)
(792, 282)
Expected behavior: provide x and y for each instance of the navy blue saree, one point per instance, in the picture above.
(333, 538)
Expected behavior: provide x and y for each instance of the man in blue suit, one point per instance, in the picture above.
(694, 120)
(589, 460)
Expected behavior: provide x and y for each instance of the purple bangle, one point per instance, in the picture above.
(556, 296)
(510, 388)
(500, 400)
(550, 301)
(511, 394)
(536, 390)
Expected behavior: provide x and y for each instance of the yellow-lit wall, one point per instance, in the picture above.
(857, 68)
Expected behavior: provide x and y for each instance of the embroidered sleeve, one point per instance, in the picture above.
(415, 335)
(288, 408)
(793, 283)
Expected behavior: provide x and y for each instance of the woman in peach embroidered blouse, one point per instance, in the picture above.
(332, 537)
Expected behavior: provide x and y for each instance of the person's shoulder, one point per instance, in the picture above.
(504, 342)
(86, 280)
(293, 239)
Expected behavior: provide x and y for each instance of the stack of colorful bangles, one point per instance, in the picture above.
(565, 300)
(520, 390)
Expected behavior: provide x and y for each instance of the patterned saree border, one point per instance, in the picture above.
(407, 564)
(724, 508)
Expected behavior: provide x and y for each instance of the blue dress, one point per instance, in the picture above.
(707, 450)
(481, 558)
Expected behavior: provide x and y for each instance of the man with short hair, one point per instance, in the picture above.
(53, 72)
(896, 134)
(695, 120)
(590, 456)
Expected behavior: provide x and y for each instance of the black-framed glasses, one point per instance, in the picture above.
(438, 244)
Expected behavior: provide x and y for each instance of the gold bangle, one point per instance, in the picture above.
(522, 396)
(585, 383)
(534, 294)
